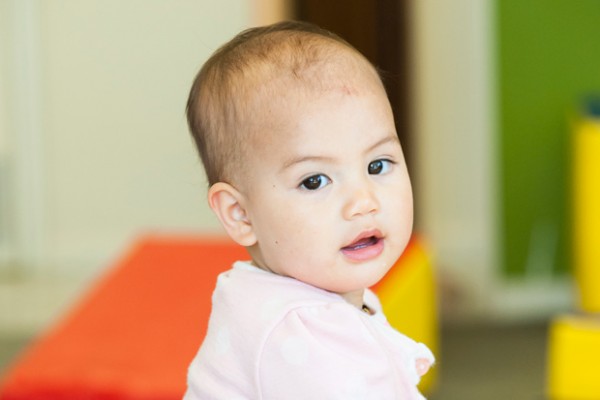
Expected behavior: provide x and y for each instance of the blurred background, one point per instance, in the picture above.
(94, 151)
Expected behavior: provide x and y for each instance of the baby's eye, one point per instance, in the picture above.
(378, 167)
(315, 182)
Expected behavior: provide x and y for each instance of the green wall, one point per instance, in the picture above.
(548, 58)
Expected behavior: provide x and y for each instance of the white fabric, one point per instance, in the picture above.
(275, 338)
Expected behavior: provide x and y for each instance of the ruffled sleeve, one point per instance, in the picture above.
(334, 351)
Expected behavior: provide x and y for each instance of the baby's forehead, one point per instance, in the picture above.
(280, 85)
(347, 74)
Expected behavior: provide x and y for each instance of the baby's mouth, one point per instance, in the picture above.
(366, 246)
(362, 243)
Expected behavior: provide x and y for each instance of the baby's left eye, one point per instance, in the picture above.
(378, 167)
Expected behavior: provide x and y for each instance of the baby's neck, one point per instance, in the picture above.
(356, 298)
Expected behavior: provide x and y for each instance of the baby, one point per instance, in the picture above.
(306, 171)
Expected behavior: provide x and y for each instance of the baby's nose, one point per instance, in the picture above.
(361, 202)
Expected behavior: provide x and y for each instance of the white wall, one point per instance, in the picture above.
(94, 139)
(454, 114)
(5, 56)
(101, 152)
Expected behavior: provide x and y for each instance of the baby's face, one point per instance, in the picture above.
(329, 197)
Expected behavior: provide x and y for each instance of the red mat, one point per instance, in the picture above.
(134, 335)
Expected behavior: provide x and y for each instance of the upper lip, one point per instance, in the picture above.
(374, 233)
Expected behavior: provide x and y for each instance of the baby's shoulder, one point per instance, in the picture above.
(265, 295)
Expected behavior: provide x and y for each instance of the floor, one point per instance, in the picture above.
(477, 362)
(492, 363)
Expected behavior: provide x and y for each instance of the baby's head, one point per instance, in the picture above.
(299, 146)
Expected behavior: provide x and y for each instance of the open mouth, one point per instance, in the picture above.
(362, 243)
(365, 247)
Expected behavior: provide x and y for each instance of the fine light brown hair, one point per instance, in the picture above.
(230, 92)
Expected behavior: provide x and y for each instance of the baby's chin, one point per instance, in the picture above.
(355, 285)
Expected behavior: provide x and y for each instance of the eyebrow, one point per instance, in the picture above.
(389, 138)
(301, 159)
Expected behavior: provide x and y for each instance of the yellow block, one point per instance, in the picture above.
(408, 297)
(574, 358)
(586, 218)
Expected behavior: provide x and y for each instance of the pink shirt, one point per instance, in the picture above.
(275, 338)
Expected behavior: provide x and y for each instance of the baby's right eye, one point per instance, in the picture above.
(315, 182)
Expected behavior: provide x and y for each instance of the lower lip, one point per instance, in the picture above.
(365, 253)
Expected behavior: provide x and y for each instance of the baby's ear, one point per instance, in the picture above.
(228, 204)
